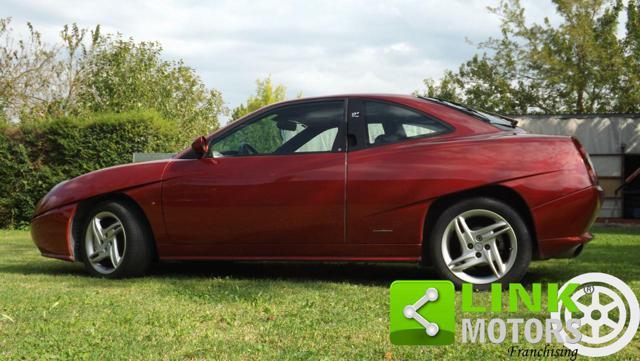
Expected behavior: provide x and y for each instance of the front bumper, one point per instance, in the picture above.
(52, 233)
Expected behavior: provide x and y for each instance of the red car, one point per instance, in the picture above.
(338, 178)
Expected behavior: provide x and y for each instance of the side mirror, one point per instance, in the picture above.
(200, 146)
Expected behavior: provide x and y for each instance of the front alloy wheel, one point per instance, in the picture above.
(117, 240)
(105, 242)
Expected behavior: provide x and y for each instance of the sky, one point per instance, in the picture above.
(313, 47)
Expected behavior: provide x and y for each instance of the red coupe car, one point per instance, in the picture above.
(338, 178)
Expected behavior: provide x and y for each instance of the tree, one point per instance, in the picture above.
(122, 75)
(28, 73)
(580, 66)
(92, 72)
(266, 94)
(629, 100)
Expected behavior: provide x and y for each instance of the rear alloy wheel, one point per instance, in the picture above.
(481, 241)
(117, 242)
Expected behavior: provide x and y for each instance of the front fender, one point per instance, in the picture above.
(100, 182)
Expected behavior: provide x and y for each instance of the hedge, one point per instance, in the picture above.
(36, 156)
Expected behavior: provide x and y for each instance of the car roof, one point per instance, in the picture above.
(379, 96)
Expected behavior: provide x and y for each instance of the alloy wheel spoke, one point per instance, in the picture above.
(463, 225)
(494, 227)
(496, 233)
(101, 252)
(491, 261)
(463, 235)
(465, 257)
(98, 233)
(495, 256)
(467, 260)
(493, 231)
(112, 230)
(471, 263)
(113, 253)
(98, 256)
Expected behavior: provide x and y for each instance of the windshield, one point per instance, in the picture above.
(494, 119)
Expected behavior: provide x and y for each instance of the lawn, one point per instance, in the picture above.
(51, 310)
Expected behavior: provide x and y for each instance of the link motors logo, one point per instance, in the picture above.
(606, 305)
(594, 314)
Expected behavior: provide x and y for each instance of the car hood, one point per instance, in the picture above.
(102, 181)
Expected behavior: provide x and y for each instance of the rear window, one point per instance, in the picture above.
(388, 123)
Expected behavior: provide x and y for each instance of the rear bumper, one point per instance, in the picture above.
(563, 224)
(569, 247)
(51, 232)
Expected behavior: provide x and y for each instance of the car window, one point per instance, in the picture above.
(312, 127)
(322, 142)
(388, 123)
(416, 130)
(375, 130)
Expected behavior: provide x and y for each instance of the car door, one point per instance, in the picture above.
(386, 177)
(273, 186)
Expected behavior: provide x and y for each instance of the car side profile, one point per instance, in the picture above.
(338, 178)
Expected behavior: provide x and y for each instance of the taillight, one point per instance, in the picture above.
(587, 161)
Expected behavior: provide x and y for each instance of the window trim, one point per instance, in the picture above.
(260, 114)
(450, 128)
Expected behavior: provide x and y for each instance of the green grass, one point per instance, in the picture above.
(51, 310)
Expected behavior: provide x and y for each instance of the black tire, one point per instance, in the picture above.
(521, 231)
(138, 252)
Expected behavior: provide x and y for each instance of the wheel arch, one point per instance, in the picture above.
(499, 192)
(85, 205)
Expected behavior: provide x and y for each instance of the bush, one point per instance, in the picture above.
(36, 156)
